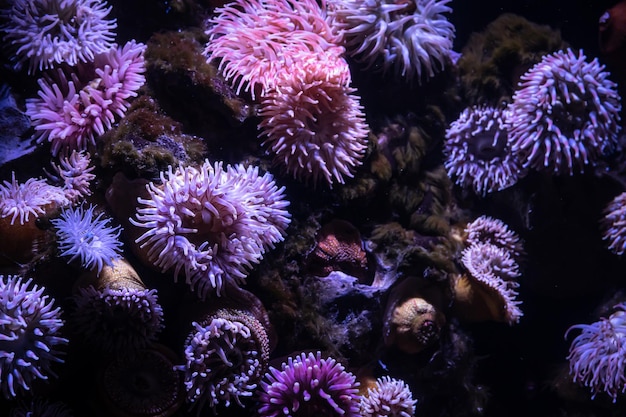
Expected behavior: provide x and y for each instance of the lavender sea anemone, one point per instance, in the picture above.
(29, 331)
(88, 238)
(212, 223)
(226, 356)
(614, 224)
(495, 269)
(309, 386)
(390, 397)
(45, 33)
(20, 201)
(485, 229)
(477, 152)
(596, 355)
(75, 105)
(413, 37)
(565, 114)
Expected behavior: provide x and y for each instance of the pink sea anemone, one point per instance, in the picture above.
(614, 224)
(226, 356)
(309, 386)
(596, 356)
(411, 37)
(212, 223)
(565, 114)
(313, 124)
(486, 229)
(46, 33)
(255, 40)
(30, 334)
(495, 268)
(83, 102)
(477, 151)
(20, 201)
(389, 397)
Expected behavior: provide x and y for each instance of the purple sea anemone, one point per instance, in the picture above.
(74, 173)
(477, 151)
(212, 223)
(248, 36)
(226, 355)
(614, 224)
(486, 229)
(565, 114)
(495, 268)
(74, 106)
(390, 397)
(49, 32)
(315, 128)
(309, 386)
(20, 201)
(29, 331)
(118, 320)
(413, 37)
(88, 238)
(596, 355)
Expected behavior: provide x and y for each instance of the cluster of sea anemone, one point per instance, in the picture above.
(312, 121)
(89, 78)
(564, 116)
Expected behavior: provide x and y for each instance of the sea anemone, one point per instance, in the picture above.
(495, 270)
(248, 36)
(116, 312)
(389, 397)
(596, 356)
(76, 104)
(50, 32)
(74, 173)
(413, 37)
(565, 114)
(226, 355)
(477, 151)
(211, 222)
(142, 385)
(314, 126)
(485, 229)
(20, 201)
(309, 386)
(88, 238)
(614, 224)
(29, 331)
